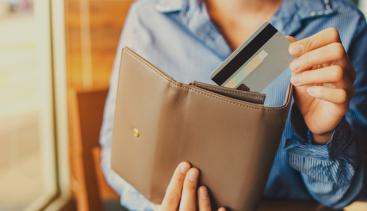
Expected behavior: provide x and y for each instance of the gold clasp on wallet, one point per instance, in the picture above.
(136, 132)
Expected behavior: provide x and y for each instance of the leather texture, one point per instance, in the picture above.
(228, 134)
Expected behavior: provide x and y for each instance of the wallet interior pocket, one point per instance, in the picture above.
(244, 95)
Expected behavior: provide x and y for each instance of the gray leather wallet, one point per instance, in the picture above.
(228, 134)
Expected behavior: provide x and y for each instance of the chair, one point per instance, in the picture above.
(88, 184)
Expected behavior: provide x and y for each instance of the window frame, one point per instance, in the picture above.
(50, 14)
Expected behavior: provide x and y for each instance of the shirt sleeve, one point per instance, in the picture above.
(334, 172)
(129, 196)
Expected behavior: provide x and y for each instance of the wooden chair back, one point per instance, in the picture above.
(89, 185)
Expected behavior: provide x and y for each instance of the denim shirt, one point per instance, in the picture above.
(178, 37)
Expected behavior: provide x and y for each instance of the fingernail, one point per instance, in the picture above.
(203, 192)
(184, 167)
(295, 80)
(222, 209)
(193, 175)
(312, 91)
(295, 49)
(295, 64)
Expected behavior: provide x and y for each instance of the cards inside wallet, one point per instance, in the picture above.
(227, 133)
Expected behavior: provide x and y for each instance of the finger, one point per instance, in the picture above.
(318, 40)
(172, 196)
(188, 199)
(333, 95)
(291, 39)
(330, 53)
(330, 74)
(204, 200)
(222, 209)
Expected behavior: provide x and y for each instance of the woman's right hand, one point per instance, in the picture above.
(182, 189)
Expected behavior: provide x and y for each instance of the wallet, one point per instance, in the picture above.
(228, 134)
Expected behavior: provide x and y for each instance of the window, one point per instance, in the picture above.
(27, 129)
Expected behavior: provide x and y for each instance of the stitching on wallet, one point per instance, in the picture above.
(176, 84)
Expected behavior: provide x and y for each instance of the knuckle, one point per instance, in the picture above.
(309, 43)
(305, 76)
(337, 73)
(333, 34)
(338, 50)
(343, 96)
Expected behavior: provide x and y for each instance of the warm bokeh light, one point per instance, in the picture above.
(22, 106)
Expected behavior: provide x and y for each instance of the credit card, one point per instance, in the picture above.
(257, 62)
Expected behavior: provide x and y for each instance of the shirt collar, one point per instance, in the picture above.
(314, 8)
(290, 16)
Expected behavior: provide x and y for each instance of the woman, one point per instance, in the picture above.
(318, 157)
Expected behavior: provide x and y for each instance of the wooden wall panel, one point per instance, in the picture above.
(91, 47)
(93, 29)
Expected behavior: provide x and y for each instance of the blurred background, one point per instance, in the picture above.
(55, 63)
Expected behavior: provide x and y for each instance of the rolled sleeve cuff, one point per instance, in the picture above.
(302, 141)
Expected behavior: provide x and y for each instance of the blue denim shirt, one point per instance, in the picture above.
(179, 37)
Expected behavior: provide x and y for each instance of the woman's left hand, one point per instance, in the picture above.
(323, 78)
(183, 193)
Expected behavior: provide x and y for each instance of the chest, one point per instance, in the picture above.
(236, 32)
(191, 54)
